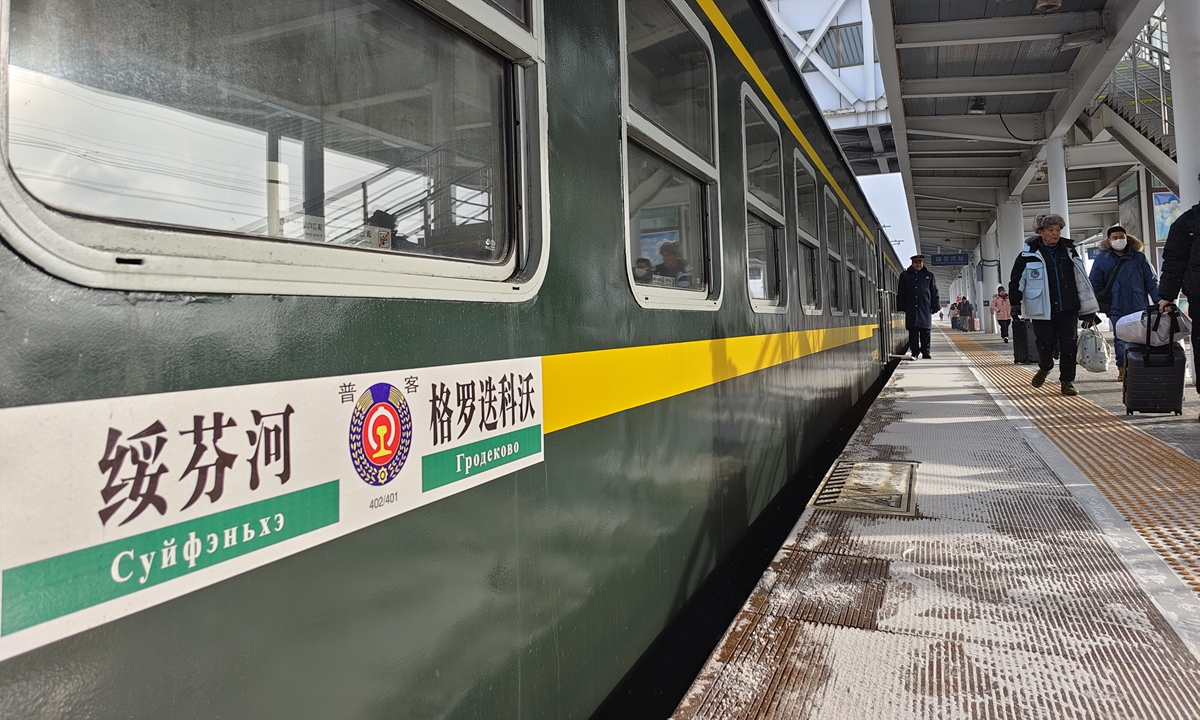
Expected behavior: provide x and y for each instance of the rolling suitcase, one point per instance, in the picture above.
(1154, 379)
(1023, 342)
(954, 322)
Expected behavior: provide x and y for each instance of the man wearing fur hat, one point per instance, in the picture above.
(1122, 271)
(1042, 287)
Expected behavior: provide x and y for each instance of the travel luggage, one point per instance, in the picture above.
(1148, 327)
(1154, 375)
(954, 322)
(1093, 354)
(1023, 342)
(976, 325)
(1154, 378)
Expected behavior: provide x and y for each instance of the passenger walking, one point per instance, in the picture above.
(1181, 271)
(1003, 310)
(968, 312)
(1122, 272)
(917, 298)
(1043, 289)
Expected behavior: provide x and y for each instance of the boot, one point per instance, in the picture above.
(1068, 388)
(1121, 374)
(1039, 378)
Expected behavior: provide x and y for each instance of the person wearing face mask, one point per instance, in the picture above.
(643, 269)
(1123, 271)
(1042, 283)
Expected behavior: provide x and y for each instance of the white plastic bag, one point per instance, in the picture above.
(1087, 295)
(1093, 352)
(1133, 328)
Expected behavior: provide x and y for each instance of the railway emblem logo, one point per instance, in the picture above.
(380, 433)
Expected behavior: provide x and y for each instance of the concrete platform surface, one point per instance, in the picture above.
(1019, 589)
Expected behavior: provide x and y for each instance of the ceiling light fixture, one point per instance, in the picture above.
(1045, 6)
(978, 106)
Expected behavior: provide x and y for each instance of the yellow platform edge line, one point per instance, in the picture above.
(580, 387)
(739, 49)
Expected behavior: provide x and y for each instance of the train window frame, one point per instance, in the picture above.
(641, 131)
(849, 266)
(143, 256)
(811, 240)
(763, 211)
(864, 302)
(833, 252)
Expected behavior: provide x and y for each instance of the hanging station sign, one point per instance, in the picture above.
(949, 259)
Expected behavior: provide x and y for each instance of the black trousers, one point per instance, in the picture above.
(1004, 328)
(1059, 332)
(918, 341)
(1194, 314)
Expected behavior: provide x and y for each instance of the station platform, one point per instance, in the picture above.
(982, 549)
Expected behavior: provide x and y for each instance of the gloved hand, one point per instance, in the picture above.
(1015, 311)
(1089, 320)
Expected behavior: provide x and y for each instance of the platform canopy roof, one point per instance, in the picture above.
(981, 85)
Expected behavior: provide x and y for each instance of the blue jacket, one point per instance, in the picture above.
(1134, 280)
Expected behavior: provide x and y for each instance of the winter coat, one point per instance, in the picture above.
(1057, 282)
(917, 297)
(1001, 307)
(966, 309)
(1181, 258)
(1134, 279)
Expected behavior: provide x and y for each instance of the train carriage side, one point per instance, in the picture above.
(229, 224)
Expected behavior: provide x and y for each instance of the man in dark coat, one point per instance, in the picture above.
(917, 298)
(1181, 271)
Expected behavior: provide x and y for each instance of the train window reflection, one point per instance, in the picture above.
(762, 160)
(833, 244)
(669, 74)
(666, 223)
(371, 125)
(806, 200)
(762, 242)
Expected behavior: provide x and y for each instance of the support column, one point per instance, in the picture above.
(1010, 232)
(989, 252)
(1056, 176)
(1183, 33)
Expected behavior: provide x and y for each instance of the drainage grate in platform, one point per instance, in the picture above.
(884, 488)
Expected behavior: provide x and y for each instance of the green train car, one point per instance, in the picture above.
(401, 358)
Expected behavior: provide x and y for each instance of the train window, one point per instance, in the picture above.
(762, 269)
(848, 255)
(808, 246)
(806, 197)
(666, 218)
(289, 136)
(519, 9)
(670, 157)
(670, 74)
(833, 246)
(765, 247)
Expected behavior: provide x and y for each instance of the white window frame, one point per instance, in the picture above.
(764, 212)
(128, 256)
(642, 131)
(849, 266)
(803, 237)
(832, 252)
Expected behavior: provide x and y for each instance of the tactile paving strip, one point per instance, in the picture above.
(1153, 485)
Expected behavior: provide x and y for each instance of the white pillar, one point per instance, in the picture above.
(1010, 233)
(1056, 175)
(1183, 33)
(989, 251)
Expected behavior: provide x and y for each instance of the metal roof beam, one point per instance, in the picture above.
(1097, 155)
(1026, 129)
(973, 85)
(955, 147)
(985, 197)
(987, 162)
(927, 181)
(995, 30)
(889, 68)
